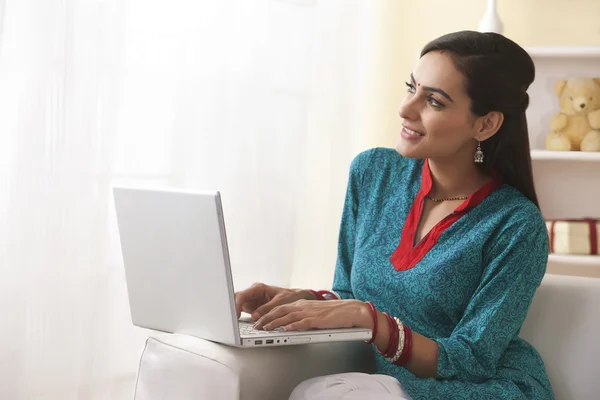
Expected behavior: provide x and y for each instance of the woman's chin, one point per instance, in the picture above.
(407, 150)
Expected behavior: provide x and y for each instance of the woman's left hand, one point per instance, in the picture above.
(317, 314)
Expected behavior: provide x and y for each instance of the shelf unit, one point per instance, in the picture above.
(568, 183)
(574, 265)
(573, 259)
(565, 156)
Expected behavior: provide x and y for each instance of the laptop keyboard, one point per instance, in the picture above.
(247, 329)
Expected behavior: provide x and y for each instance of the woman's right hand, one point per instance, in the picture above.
(259, 299)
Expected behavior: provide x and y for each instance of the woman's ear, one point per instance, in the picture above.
(488, 125)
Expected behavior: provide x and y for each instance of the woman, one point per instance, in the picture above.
(442, 245)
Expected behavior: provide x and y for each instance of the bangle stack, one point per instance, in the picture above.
(399, 348)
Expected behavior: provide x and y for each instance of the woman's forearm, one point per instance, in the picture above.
(424, 360)
(424, 357)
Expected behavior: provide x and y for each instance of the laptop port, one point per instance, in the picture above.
(257, 342)
(270, 341)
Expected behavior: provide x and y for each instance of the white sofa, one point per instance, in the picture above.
(563, 324)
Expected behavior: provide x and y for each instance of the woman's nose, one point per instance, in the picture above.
(409, 108)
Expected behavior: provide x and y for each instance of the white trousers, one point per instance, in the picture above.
(350, 386)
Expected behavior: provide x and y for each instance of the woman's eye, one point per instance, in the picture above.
(434, 102)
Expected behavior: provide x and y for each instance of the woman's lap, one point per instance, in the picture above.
(350, 386)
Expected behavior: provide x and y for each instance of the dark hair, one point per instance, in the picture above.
(497, 73)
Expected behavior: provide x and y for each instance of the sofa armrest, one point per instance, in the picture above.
(184, 367)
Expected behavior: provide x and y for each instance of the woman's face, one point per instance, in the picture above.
(437, 122)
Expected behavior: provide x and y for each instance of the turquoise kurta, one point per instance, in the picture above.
(470, 292)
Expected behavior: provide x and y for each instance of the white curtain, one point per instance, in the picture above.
(261, 99)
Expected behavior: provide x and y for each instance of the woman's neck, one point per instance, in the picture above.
(451, 178)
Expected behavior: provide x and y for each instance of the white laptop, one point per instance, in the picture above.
(178, 272)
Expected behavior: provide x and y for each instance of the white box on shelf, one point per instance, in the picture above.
(577, 237)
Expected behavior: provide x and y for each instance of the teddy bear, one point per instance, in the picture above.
(577, 125)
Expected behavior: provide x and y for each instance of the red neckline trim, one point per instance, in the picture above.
(406, 255)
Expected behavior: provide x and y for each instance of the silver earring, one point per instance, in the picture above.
(478, 154)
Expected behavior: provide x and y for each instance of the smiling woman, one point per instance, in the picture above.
(442, 245)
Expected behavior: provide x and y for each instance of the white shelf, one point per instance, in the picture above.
(565, 155)
(592, 261)
(566, 181)
(564, 52)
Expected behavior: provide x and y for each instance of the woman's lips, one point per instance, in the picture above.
(410, 134)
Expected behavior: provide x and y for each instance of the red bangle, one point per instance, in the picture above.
(391, 339)
(407, 351)
(316, 294)
(324, 293)
(374, 314)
